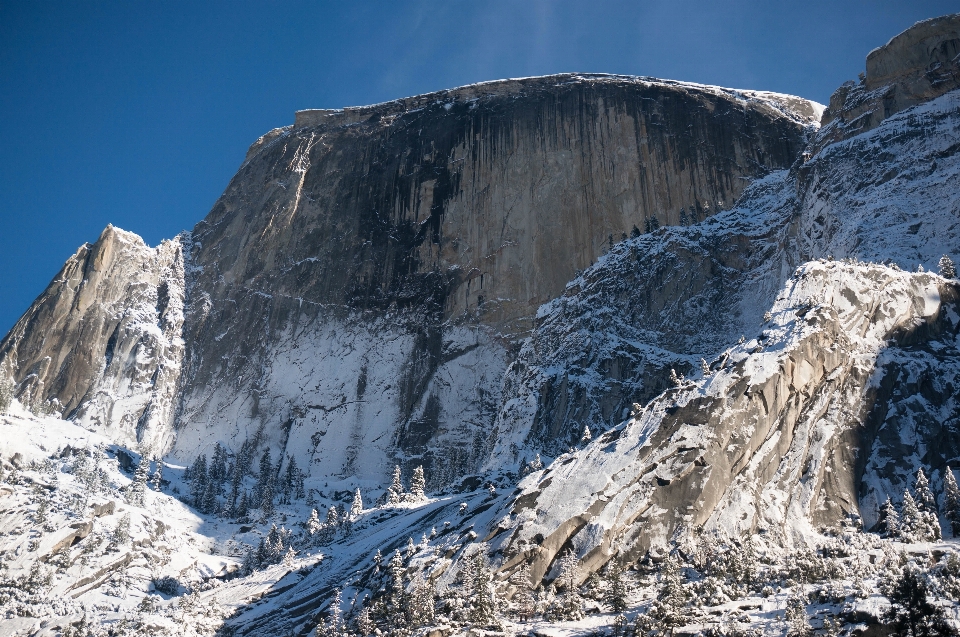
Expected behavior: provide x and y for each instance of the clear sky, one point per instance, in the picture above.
(138, 113)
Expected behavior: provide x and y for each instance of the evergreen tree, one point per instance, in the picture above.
(910, 611)
(524, 600)
(890, 519)
(395, 492)
(617, 591)
(483, 604)
(335, 626)
(156, 482)
(218, 467)
(265, 482)
(266, 499)
(951, 501)
(420, 608)
(208, 503)
(243, 509)
(396, 598)
(138, 487)
(947, 269)
(418, 485)
(911, 525)
(365, 623)
(796, 618)
(570, 605)
(313, 525)
(587, 436)
(291, 479)
(924, 496)
(671, 594)
(198, 478)
(357, 507)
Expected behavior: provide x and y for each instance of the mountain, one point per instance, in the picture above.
(671, 340)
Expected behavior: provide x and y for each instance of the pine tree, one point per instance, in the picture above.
(947, 269)
(571, 606)
(395, 492)
(911, 526)
(313, 525)
(356, 509)
(290, 480)
(483, 604)
(671, 595)
(616, 593)
(890, 519)
(208, 503)
(418, 485)
(198, 476)
(524, 600)
(137, 488)
(218, 467)
(265, 482)
(243, 509)
(675, 379)
(365, 623)
(156, 482)
(796, 618)
(587, 436)
(335, 626)
(951, 501)
(420, 608)
(924, 496)
(396, 600)
(909, 611)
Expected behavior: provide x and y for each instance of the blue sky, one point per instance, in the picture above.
(138, 113)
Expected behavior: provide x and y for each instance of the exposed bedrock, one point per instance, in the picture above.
(104, 339)
(769, 443)
(914, 67)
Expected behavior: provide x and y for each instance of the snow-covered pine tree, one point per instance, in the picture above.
(420, 607)
(616, 594)
(198, 479)
(334, 626)
(243, 509)
(365, 624)
(218, 467)
(357, 507)
(671, 594)
(675, 379)
(418, 485)
(138, 487)
(795, 617)
(911, 526)
(483, 601)
(396, 597)
(947, 269)
(890, 519)
(951, 501)
(208, 502)
(312, 526)
(411, 548)
(121, 533)
(395, 492)
(264, 481)
(290, 479)
(523, 599)
(587, 436)
(156, 482)
(924, 496)
(571, 603)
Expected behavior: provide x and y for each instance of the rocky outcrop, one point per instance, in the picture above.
(386, 256)
(768, 443)
(914, 67)
(104, 340)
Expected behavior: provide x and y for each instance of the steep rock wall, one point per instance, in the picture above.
(105, 339)
(444, 221)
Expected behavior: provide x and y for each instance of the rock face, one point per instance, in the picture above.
(357, 292)
(916, 66)
(104, 339)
